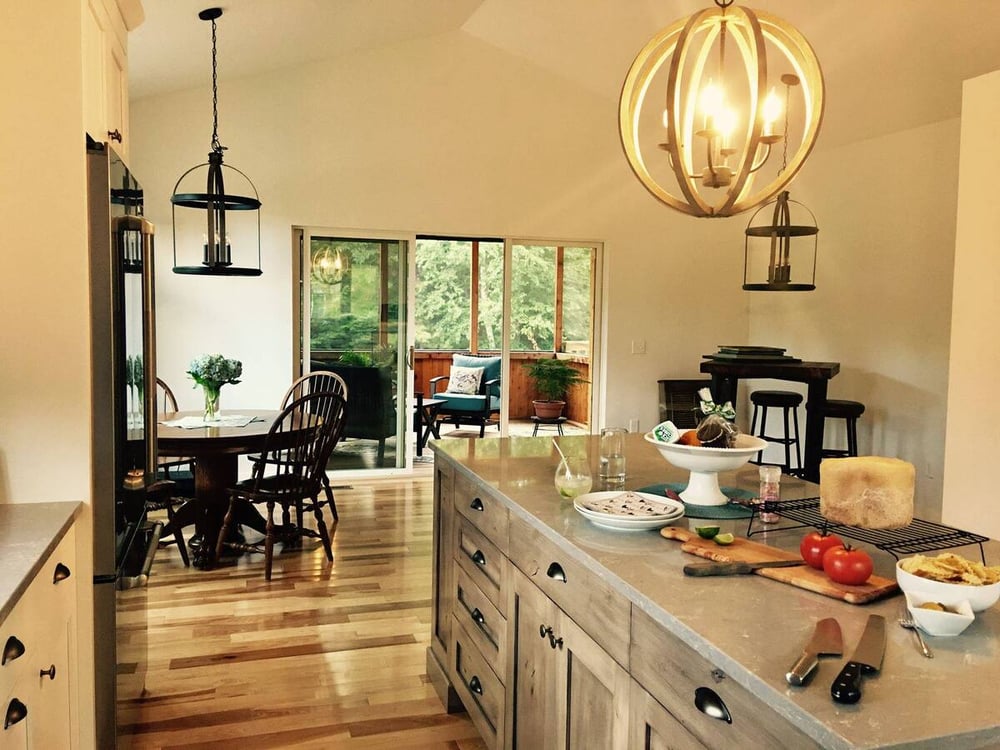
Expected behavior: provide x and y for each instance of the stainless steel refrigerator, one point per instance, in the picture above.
(123, 363)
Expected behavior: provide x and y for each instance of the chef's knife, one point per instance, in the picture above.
(826, 641)
(735, 568)
(867, 658)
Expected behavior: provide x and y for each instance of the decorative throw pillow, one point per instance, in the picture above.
(465, 380)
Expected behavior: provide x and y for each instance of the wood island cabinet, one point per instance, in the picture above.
(565, 690)
(39, 649)
(557, 635)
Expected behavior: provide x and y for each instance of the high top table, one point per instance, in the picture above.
(726, 375)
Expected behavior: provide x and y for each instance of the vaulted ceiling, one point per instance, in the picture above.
(888, 65)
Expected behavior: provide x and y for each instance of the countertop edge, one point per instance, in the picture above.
(22, 560)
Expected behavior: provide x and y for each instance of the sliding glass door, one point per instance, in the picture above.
(352, 320)
(519, 300)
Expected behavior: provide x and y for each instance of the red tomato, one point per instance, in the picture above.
(814, 545)
(847, 565)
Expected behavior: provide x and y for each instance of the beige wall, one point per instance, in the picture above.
(450, 135)
(973, 426)
(44, 326)
(445, 135)
(44, 306)
(886, 212)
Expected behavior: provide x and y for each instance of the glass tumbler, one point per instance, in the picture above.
(572, 477)
(612, 461)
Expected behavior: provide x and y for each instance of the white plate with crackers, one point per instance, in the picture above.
(628, 511)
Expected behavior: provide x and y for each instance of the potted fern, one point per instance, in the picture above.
(553, 379)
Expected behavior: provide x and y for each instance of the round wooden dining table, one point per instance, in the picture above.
(216, 452)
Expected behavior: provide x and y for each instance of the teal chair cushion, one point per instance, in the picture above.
(490, 365)
(460, 402)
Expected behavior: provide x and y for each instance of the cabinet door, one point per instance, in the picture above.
(116, 88)
(567, 692)
(51, 699)
(652, 727)
(533, 706)
(594, 691)
(444, 551)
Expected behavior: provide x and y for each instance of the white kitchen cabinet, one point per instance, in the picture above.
(105, 68)
(39, 651)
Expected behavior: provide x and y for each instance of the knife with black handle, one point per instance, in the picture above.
(867, 659)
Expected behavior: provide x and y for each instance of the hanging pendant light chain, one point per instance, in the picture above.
(216, 146)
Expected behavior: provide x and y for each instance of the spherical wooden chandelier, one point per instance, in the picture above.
(724, 71)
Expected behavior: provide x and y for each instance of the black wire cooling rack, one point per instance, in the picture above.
(919, 536)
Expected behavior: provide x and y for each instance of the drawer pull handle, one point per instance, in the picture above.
(477, 617)
(12, 650)
(709, 703)
(475, 685)
(115, 135)
(477, 504)
(556, 573)
(544, 632)
(16, 711)
(478, 558)
(61, 574)
(50, 672)
(555, 642)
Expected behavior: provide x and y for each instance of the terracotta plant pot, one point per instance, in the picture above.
(548, 409)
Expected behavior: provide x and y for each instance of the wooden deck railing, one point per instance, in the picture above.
(428, 364)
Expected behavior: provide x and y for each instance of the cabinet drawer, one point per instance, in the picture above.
(40, 615)
(588, 600)
(482, 621)
(483, 510)
(483, 562)
(672, 672)
(478, 686)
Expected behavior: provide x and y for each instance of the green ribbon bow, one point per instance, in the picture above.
(708, 406)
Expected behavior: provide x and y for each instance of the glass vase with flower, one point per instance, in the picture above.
(211, 372)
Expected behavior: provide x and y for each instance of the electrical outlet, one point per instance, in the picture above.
(638, 346)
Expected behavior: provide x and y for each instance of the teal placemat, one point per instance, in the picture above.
(714, 512)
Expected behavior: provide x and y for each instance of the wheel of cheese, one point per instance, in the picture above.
(873, 492)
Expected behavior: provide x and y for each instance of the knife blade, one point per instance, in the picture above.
(735, 568)
(826, 641)
(867, 658)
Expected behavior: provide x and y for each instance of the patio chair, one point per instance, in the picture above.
(467, 403)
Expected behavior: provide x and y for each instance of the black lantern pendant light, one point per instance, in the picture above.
(767, 265)
(216, 202)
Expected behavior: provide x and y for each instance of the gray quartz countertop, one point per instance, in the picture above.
(28, 533)
(754, 628)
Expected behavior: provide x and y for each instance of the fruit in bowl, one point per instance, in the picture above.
(704, 463)
(950, 579)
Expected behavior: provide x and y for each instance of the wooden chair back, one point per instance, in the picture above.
(315, 382)
(298, 446)
(165, 400)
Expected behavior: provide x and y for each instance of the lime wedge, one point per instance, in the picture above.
(723, 539)
(707, 532)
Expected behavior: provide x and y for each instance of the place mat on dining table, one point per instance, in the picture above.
(715, 512)
(193, 423)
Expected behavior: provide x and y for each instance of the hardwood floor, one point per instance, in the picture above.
(326, 655)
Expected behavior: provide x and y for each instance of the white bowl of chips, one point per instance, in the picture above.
(950, 579)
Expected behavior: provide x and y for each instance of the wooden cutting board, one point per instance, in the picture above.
(810, 579)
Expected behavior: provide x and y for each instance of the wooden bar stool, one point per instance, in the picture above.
(849, 411)
(787, 401)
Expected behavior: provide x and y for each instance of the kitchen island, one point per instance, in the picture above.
(554, 632)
